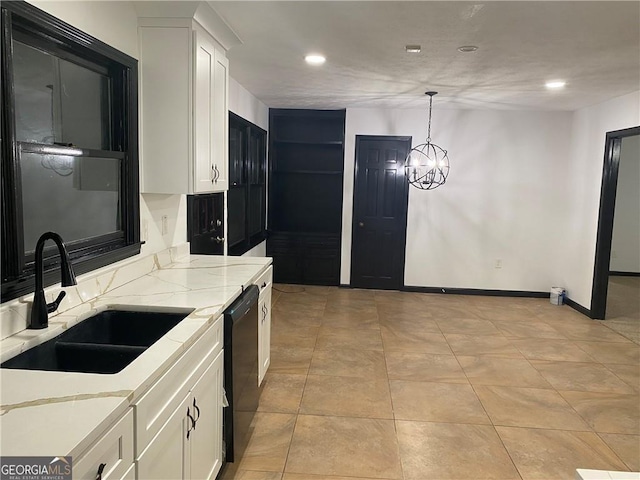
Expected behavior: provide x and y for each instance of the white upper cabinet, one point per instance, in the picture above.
(210, 115)
(184, 105)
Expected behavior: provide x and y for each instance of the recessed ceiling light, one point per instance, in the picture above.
(315, 59)
(555, 84)
(467, 48)
(413, 48)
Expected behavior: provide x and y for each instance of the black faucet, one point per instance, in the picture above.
(41, 309)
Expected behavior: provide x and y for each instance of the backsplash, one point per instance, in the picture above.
(14, 314)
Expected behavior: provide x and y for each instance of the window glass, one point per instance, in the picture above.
(69, 147)
(77, 197)
(57, 101)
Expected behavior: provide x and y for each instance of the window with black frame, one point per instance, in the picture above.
(69, 147)
(247, 185)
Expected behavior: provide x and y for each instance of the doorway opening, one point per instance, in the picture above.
(606, 261)
(380, 198)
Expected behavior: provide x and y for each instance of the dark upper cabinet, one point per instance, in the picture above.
(205, 223)
(256, 167)
(246, 198)
(306, 157)
(237, 153)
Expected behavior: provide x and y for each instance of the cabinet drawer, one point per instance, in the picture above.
(265, 280)
(154, 407)
(115, 449)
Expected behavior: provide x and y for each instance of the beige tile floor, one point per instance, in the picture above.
(623, 306)
(370, 384)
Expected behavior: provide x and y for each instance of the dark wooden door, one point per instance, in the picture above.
(379, 212)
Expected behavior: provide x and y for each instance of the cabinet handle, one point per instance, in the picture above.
(193, 423)
(197, 412)
(100, 470)
(264, 284)
(219, 239)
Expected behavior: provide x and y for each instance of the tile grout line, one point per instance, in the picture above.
(393, 411)
(297, 414)
(485, 410)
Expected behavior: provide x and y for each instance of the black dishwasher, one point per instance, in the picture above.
(240, 371)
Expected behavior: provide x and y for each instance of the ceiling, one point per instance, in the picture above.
(593, 45)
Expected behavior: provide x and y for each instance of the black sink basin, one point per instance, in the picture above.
(78, 357)
(121, 327)
(104, 343)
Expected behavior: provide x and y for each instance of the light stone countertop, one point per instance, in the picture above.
(62, 413)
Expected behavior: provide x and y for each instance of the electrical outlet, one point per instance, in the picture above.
(165, 225)
(498, 263)
(614, 254)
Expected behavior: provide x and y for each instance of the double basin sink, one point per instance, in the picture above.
(104, 343)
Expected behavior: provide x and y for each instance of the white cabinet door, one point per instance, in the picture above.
(166, 457)
(211, 116)
(165, 106)
(206, 440)
(264, 333)
(221, 122)
(204, 111)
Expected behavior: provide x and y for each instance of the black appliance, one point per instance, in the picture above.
(205, 223)
(240, 372)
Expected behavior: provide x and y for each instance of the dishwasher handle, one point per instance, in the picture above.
(241, 306)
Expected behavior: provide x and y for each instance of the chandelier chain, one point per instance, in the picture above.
(429, 128)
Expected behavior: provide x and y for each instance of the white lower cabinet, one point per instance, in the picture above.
(111, 457)
(189, 445)
(264, 323)
(205, 440)
(179, 419)
(166, 456)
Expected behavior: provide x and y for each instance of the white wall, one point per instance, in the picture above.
(590, 126)
(259, 250)
(503, 199)
(625, 246)
(116, 23)
(246, 105)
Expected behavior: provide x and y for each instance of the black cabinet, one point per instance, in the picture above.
(246, 197)
(205, 223)
(306, 158)
(310, 259)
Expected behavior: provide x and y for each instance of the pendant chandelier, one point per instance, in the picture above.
(427, 165)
